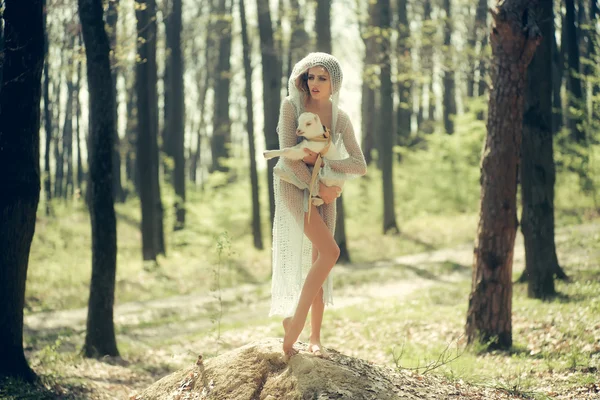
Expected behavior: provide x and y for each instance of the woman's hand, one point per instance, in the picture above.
(328, 193)
(311, 157)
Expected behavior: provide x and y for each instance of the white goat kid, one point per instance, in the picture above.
(318, 140)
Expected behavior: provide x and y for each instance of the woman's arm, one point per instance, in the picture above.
(286, 129)
(354, 164)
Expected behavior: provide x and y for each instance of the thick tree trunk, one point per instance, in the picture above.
(100, 337)
(271, 74)
(147, 146)
(537, 166)
(514, 39)
(221, 138)
(256, 227)
(20, 93)
(575, 97)
(449, 84)
(404, 85)
(386, 139)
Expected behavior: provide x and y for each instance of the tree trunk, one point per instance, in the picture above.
(404, 86)
(147, 146)
(299, 40)
(537, 166)
(449, 93)
(557, 78)
(340, 231)
(100, 337)
(47, 122)
(177, 112)
(514, 39)
(575, 97)
(479, 33)
(67, 136)
(369, 83)
(203, 81)
(482, 12)
(271, 74)
(21, 90)
(323, 26)
(202, 89)
(386, 140)
(112, 16)
(594, 11)
(427, 68)
(78, 125)
(58, 154)
(131, 137)
(256, 228)
(221, 139)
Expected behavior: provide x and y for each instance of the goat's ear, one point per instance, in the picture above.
(316, 118)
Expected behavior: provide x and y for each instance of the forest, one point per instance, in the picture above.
(137, 209)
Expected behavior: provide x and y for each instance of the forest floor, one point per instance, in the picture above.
(407, 313)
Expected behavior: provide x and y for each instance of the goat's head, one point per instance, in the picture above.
(309, 126)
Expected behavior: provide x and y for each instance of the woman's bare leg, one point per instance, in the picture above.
(328, 253)
(317, 309)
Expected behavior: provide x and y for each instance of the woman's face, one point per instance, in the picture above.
(319, 83)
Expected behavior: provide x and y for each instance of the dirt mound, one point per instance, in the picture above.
(257, 372)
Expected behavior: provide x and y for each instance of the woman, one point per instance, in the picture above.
(314, 86)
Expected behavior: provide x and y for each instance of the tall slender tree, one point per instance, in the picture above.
(20, 94)
(221, 138)
(386, 139)
(429, 29)
(112, 17)
(449, 98)
(478, 34)
(271, 74)
(78, 132)
(177, 110)
(246, 47)
(537, 166)
(100, 339)
(67, 132)
(575, 92)
(147, 131)
(369, 82)
(404, 65)
(47, 118)
(299, 38)
(514, 39)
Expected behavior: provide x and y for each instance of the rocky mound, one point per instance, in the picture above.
(257, 371)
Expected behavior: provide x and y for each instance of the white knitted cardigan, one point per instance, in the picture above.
(291, 248)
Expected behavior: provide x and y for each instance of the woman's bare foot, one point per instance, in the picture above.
(316, 348)
(288, 352)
